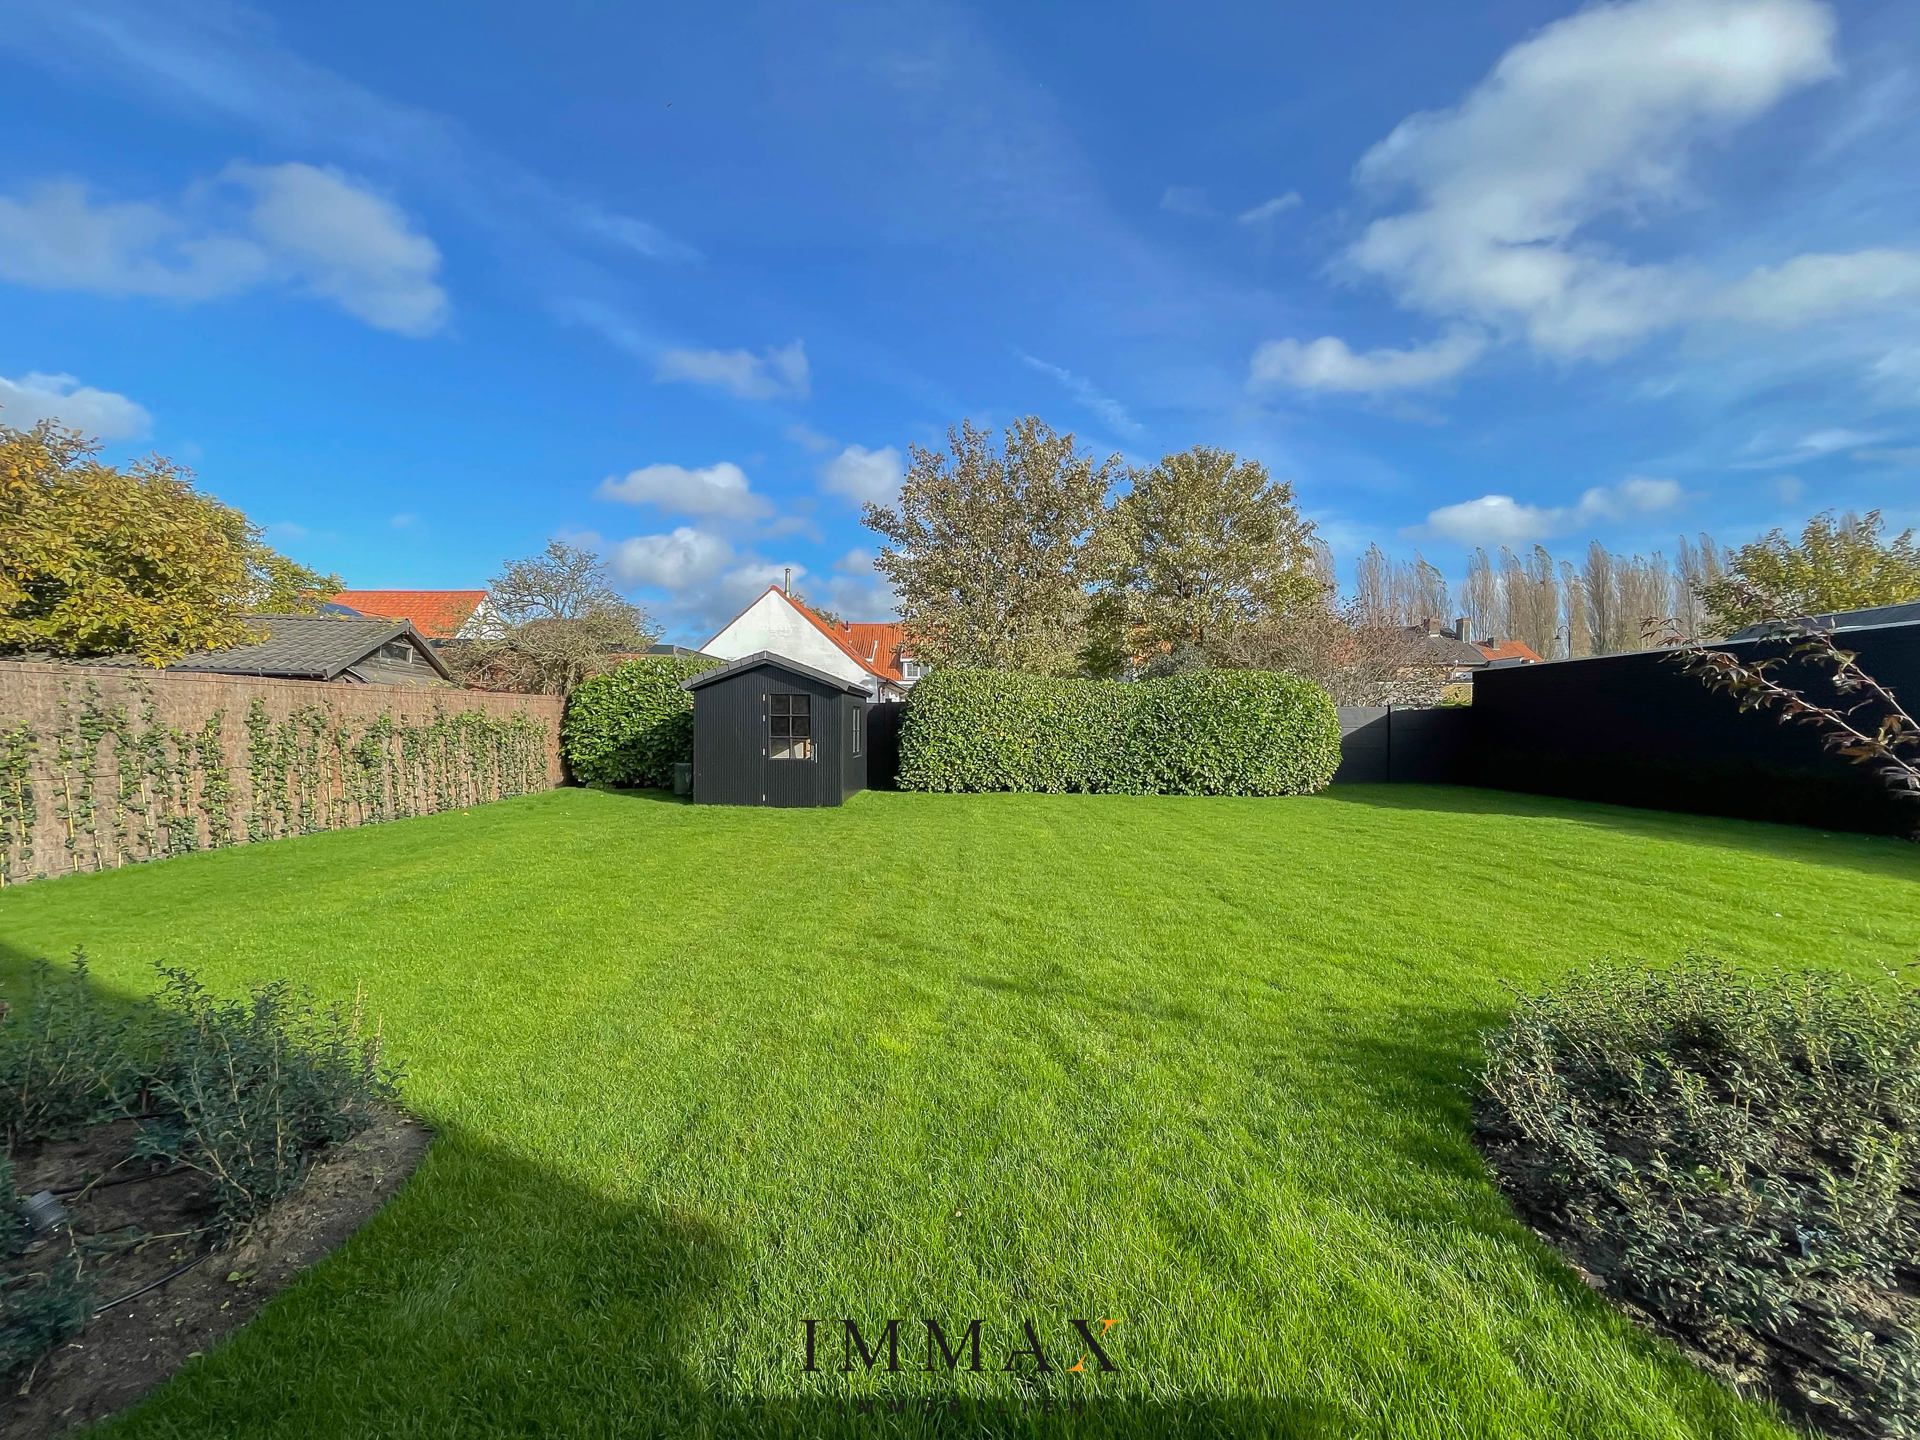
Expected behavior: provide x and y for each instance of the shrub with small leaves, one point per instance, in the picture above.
(246, 1091)
(40, 1306)
(67, 1058)
(630, 725)
(1206, 732)
(1736, 1158)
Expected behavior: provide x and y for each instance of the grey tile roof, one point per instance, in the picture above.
(1443, 649)
(300, 647)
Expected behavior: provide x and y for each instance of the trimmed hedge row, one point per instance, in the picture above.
(629, 726)
(1209, 732)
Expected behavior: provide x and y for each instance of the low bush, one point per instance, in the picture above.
(66, 1059)
(629, 726)
(1208, 732)
(244, 1091)
(1736, 1159)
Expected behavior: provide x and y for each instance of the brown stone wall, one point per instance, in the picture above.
(123, 764)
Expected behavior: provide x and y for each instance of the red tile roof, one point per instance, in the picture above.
(875, 643)
(872, 645)
(1507, 650)
(436, 614)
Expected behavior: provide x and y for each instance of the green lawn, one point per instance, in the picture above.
(1197, 1065)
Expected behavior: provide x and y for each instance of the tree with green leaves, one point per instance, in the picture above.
(1836, 564)
(1206, 544)
(553, 620)
(995, 547)
(99, 560)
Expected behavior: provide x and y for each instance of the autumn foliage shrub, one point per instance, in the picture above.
(628, 726)
(1735, 1159)
(1209, 732)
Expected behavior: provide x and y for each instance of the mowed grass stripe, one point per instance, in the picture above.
(1198, 1064)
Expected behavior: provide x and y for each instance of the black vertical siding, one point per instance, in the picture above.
(1637, 730)
(730, 743)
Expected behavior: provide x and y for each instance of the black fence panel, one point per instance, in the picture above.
(1382, 744)
(883, 746)
(1638, 730)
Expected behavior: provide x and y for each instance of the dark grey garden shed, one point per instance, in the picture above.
(770, 731)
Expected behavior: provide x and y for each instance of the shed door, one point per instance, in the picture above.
(791, 747)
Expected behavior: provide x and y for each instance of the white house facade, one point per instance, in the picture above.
(778, 624)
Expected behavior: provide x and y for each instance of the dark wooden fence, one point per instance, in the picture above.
(1638, 730)
(883, 746)
(1388, 744)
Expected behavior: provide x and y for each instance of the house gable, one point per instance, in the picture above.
(776, 624)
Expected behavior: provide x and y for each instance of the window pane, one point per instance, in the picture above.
(780, 704)
(801, 703)
(777, 726)
(803, 749)
(802, 725)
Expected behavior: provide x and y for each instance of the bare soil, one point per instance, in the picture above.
(137, 1224)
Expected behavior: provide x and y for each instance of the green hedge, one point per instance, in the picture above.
(629, 726)
(1211, 732)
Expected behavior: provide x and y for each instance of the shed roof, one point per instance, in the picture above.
(778, 662)
(303, 647)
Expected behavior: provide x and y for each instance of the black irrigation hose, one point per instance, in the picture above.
(100, 1310)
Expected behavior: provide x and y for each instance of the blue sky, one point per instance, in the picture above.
(418, 286)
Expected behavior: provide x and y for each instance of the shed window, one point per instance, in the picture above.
(790, 727)
(859, 724)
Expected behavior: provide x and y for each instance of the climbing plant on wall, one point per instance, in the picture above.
(120, 784)
(17, 798)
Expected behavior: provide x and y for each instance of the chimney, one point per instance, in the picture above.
(1460, 629)
(1433, 627)
(786, 585)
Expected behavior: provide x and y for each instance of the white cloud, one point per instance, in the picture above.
(1809, 288)
(681, 559)
(1788, 489)
(1087, 393)
(1770, 453)
(862, 475)
(776, 372)
(311, 229)
(103, 414)
(1503, 520)
(346, 244)
(1188, 200)
(721, 489)
(1328, 364)
(1270, 209)
(1592, 117)
(640, 236)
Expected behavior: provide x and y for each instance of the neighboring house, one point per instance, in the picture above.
(437, 614)
(356, 650)
(1507, 652)
(1434, 646)
(867, 655)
